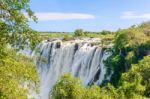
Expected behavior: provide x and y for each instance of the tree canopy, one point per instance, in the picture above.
(13, 23)
(17, 72)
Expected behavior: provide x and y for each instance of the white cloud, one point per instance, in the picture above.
(45, 16)
(135, 15)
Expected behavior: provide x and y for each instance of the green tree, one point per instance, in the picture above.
(130, 46)
(67, 87)
(129, 38)
(17, 73)
(145, 27)
(104, 32)
(136, 82)
(131, 83)
(13, 23)
(66, 37)
(79, 32)
(144, 69)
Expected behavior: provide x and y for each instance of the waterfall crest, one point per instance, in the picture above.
(79, 57)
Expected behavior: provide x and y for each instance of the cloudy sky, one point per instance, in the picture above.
(91, 15)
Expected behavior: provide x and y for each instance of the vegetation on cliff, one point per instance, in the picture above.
(130, 63)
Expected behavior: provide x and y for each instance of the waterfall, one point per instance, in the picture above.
(81, 58)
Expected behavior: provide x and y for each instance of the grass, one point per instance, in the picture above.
(69, 36)
(47, 35)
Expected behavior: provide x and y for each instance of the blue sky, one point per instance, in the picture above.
(90, 15)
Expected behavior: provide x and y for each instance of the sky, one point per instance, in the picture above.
(90, 15)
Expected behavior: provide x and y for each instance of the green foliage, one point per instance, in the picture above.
(67, 37)
(104, 32)
(136, 82)
(106, 38)
(132, 37)
(67, 88)
(79, 32)
(130, 46)
(17, 73)
(131, 83)
(145, 27)
(13, 23)
(130, 57)
(47, 35)
(17, 76)
(144, 70)
(115, 63)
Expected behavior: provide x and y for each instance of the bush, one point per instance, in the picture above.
(104, 32)
(79, 32)
(15, 72)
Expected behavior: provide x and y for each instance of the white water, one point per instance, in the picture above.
(78, 57)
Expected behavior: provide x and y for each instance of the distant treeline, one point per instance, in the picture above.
(53, 32)
(99, 32)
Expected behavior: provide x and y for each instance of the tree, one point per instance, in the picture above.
(104, 32)
(17, 73)
(144, 69)
(67, 87)
(132, 37)
(131, 83)
(145, 27)
(130, 46)
(79, 32)
(136, 82)
(13, 23)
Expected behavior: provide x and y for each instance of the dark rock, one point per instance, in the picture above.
(58, 45)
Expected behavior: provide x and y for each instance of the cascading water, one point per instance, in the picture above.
(78, 57)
